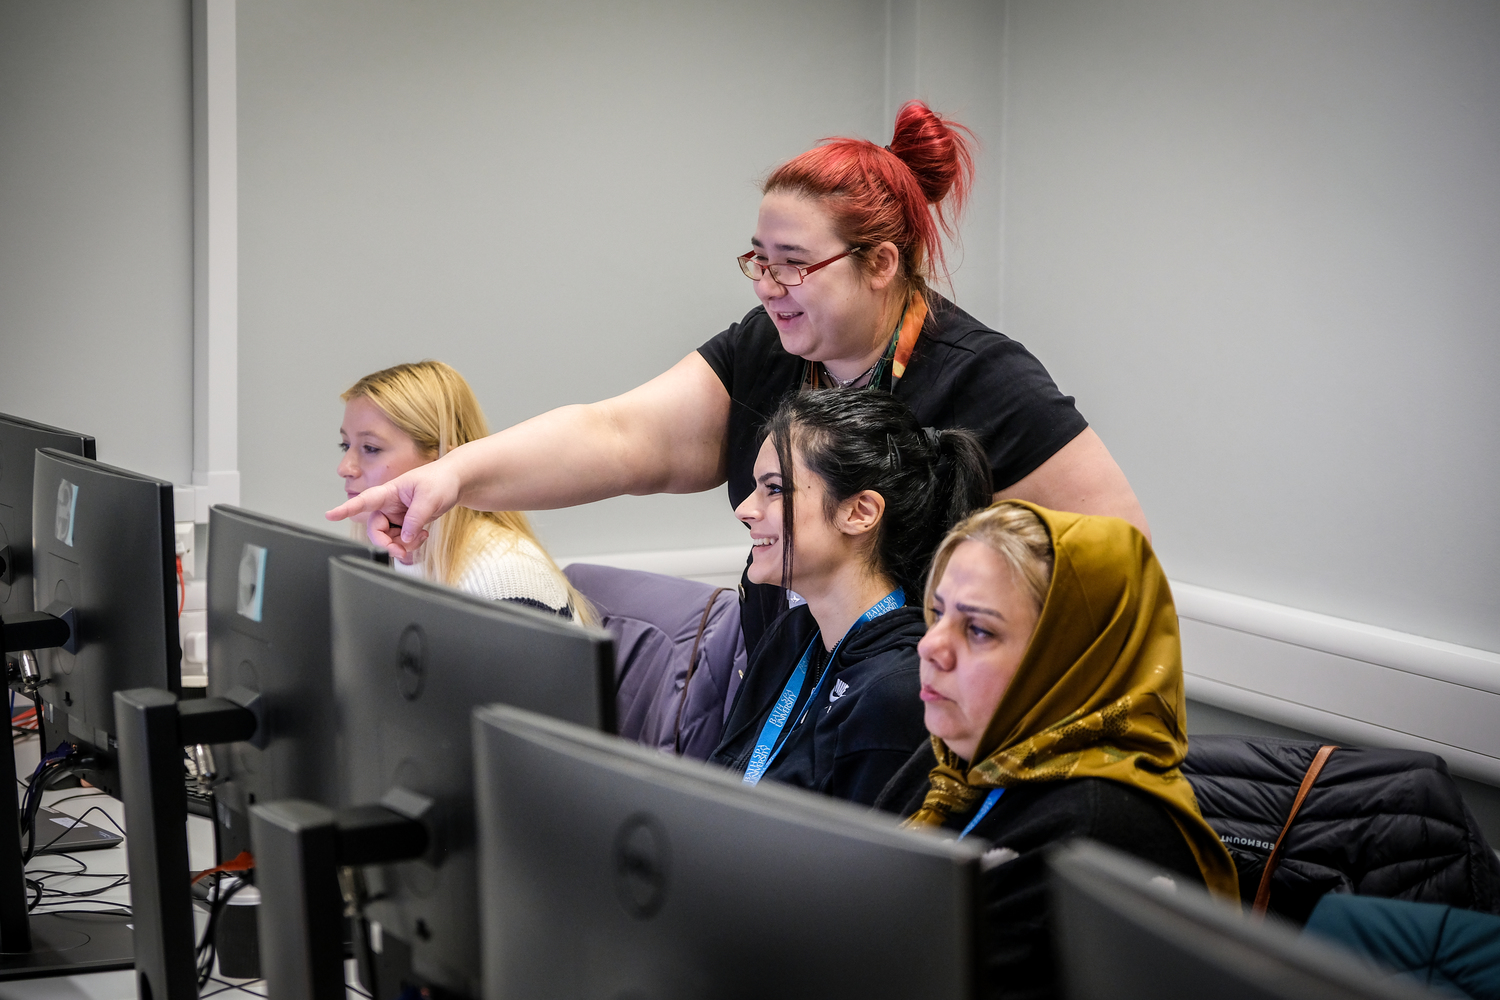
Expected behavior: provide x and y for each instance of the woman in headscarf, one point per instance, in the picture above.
(1052, 687)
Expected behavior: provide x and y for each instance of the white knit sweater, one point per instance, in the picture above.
(509, 568)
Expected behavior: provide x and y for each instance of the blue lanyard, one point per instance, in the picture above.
(989, 803)
(766, 747)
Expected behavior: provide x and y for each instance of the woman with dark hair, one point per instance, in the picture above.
(846, 248)
(1052, 687)
(852, 495)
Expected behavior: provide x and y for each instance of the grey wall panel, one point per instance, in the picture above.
(949, 53)
(548, 197)
(96, 224)
(1259, 243)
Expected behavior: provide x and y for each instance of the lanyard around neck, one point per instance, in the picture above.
(768, 745)
(989, 803)
(897, 354)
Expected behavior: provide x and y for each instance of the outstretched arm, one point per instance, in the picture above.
(1081, 478)
(667, 436)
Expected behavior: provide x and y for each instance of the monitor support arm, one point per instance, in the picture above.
(153, 727)
(22, 633)
(299, 848)
(37, 630)
(43, 944)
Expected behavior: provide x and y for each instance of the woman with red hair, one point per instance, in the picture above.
(846, 247)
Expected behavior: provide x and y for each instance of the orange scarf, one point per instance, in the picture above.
(903, 342)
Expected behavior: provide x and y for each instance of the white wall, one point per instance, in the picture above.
(495, 185)
(1257, 243)
(475, 182)
(1260, 243)
(949, 54)
(96, 225)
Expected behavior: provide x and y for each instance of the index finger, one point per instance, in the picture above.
(365, 503)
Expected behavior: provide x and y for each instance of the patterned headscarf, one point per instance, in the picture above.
(1098, 693)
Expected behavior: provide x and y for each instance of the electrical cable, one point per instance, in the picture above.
(225, 986)
(59, 761)
(18, 723)
(207, 949)
(77, 820)
(91, 793)
(58, 900)
(241, 862)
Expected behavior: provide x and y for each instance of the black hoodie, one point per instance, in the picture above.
(868, 717)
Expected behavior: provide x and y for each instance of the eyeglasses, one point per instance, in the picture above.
(785, 274)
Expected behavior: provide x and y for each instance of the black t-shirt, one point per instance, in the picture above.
(962, 374)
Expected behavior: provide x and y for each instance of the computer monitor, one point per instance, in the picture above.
(104, 554)
(608, 869)
(411, 660)
(1124, 930)
(19, 441)
(269, 637)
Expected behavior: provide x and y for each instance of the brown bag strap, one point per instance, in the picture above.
(693, 667)
(1263, 894)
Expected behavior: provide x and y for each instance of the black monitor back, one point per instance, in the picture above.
(269, 637)
(411, 661)
(103, 545)
(1125, 932)
(19, 441)
(611, 870)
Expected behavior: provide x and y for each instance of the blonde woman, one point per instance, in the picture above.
(403, 417)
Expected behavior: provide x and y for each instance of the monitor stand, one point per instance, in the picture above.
(49, 944)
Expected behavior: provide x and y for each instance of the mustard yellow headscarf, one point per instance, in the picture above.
(1098, 693)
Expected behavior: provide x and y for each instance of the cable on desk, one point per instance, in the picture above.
(60, 761)
(83, 795)
(118, 911)
(36, 879)
(225, 986)
(221, 894)
(31, 801)
(63, 895)
(241, 862)
(25, 725)
(77, 821)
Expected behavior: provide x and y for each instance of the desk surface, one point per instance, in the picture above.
(95, 869)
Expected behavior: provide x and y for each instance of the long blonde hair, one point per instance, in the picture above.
(432, 404)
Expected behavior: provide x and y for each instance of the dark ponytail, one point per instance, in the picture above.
(856, 441)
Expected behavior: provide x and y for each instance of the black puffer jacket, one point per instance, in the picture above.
(868, 718)
(1376, 823)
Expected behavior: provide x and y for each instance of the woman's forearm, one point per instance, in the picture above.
(666, 436)
(567, 456)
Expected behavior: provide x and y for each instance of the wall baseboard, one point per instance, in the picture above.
(1361, 683)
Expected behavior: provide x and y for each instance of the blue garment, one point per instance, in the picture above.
(1452, 951)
